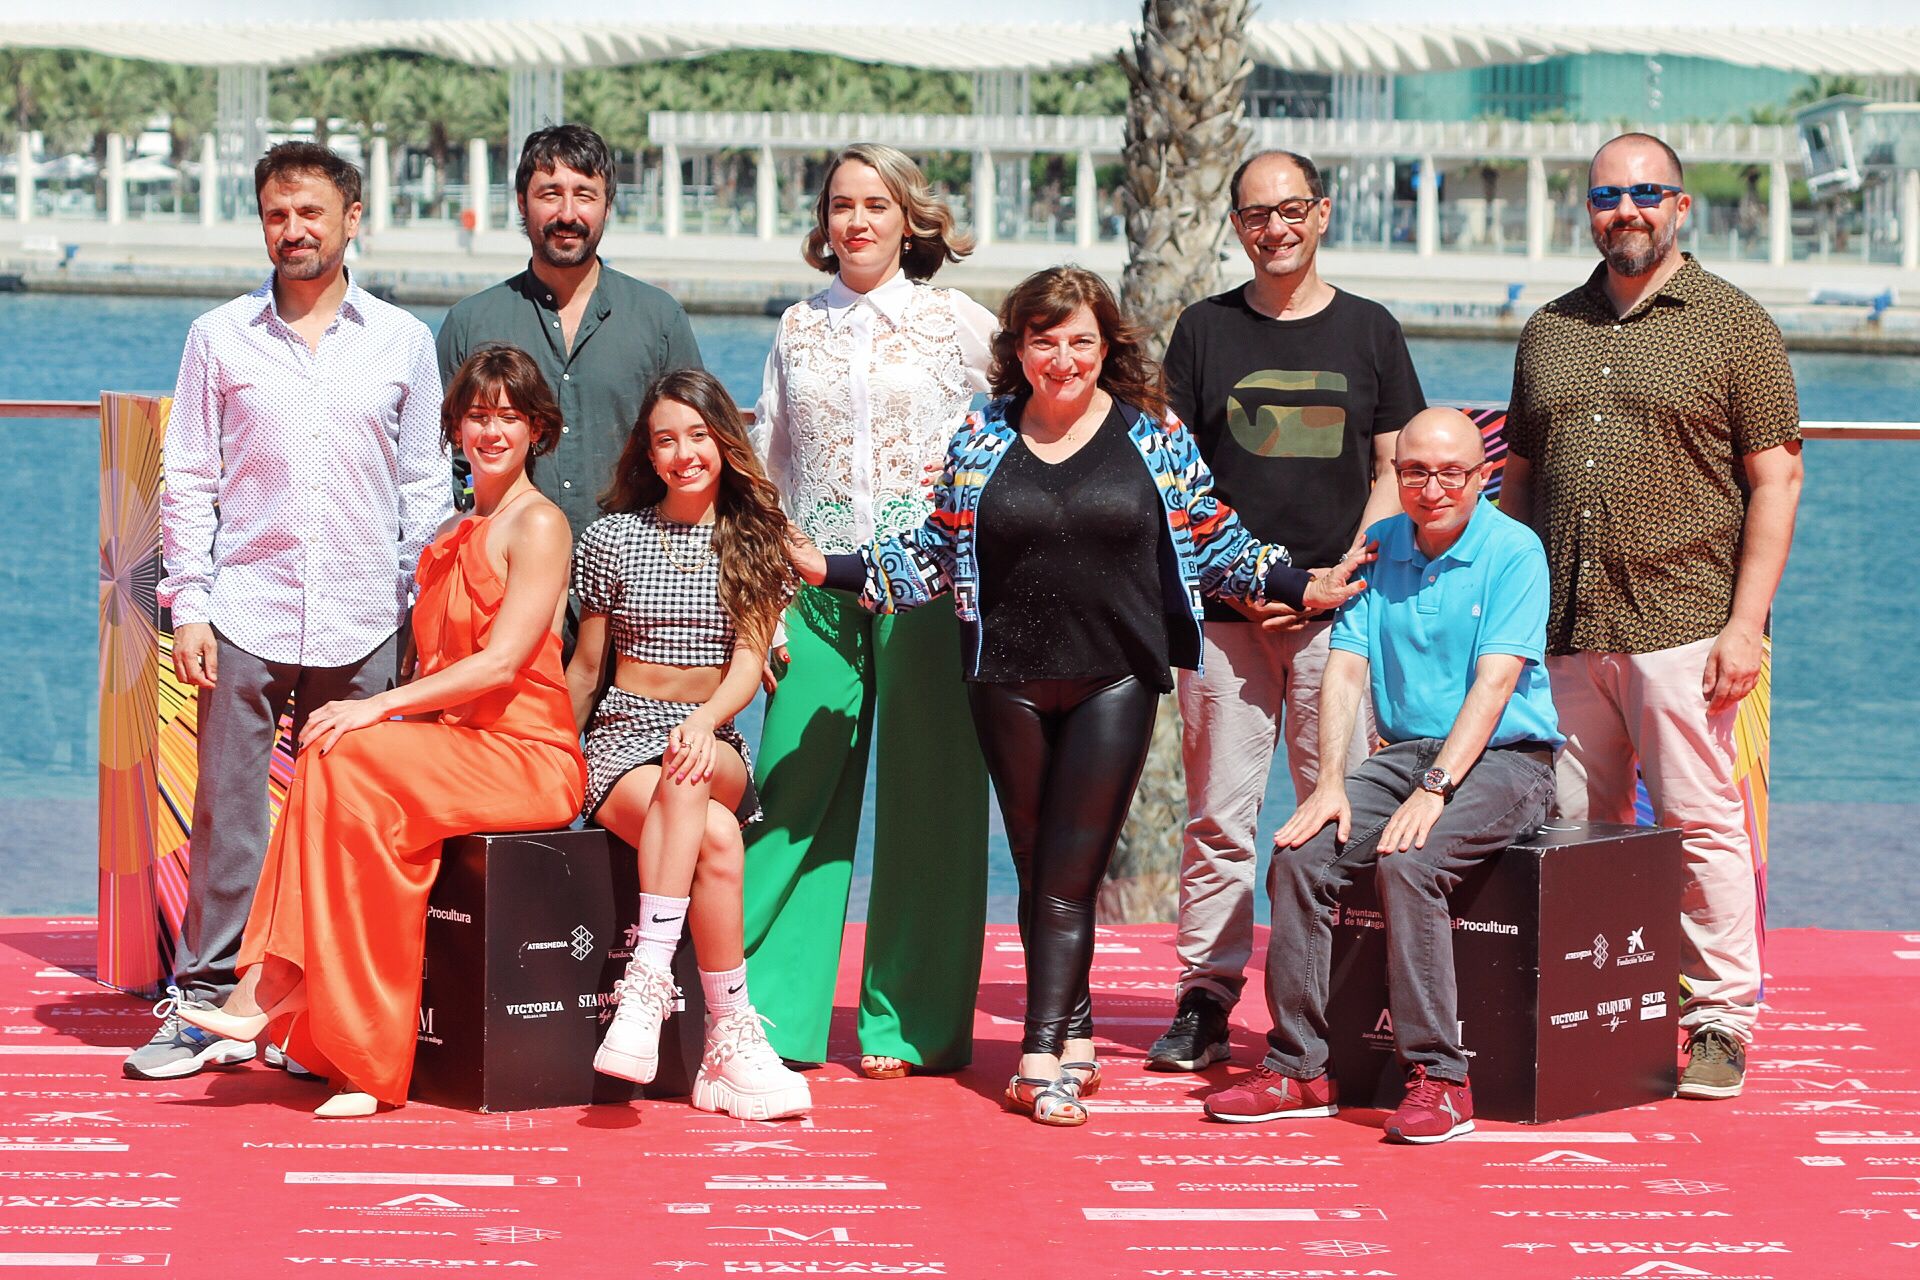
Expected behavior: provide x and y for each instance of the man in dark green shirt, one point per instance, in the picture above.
(598, 336)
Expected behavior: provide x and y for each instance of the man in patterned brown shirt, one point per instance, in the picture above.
(1654, 445)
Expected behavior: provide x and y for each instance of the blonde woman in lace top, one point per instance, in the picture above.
(866, 384)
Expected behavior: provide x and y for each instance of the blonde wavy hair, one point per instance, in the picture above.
(931, 237)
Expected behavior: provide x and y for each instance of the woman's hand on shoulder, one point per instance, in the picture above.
(1333, 586)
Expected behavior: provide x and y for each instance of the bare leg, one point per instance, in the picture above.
(715, 916)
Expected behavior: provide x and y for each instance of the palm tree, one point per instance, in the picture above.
(449, 104)
(1185, 134)
(100, 96)
(185, 95)
(320, 90)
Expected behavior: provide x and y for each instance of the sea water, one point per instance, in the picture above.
(1846, 695)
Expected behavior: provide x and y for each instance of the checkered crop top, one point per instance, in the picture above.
(658, 583)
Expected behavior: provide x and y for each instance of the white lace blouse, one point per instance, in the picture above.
(861, 392)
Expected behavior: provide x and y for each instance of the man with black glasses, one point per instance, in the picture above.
(1654, 444)
(1450, 635)
(1294, 391)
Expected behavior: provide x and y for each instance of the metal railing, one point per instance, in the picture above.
(44, 409)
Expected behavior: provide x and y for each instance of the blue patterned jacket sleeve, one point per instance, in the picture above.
(909, 570)
(1232, 563)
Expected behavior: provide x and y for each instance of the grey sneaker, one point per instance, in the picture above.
(179, 1049)
(1196, 1040)
(279, 1059)
(1716, 1065)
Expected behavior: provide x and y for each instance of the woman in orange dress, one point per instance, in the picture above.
(487, 743)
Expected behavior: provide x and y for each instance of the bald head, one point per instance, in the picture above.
(1436, 438)
(1635, 157)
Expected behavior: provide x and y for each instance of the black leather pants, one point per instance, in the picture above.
(1065, 756)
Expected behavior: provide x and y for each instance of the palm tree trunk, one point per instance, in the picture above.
(1185, 134)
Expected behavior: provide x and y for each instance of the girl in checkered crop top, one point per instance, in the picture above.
(684, 579)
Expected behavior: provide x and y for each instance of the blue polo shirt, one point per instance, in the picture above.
(1423, 624)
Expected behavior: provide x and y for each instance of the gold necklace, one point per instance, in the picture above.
(666, 548)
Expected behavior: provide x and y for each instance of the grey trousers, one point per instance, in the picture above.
(1506, 794)
(1231, 717)
(239, 718)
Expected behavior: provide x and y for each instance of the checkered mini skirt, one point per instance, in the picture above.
(628, 731)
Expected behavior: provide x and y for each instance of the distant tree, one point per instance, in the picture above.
(319, 90)
(1820, 88)
(99, 97)
(1186, 132)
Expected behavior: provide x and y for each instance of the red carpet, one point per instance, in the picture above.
(1815, 1172)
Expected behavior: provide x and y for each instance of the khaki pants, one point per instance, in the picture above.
(1231, 718)
(1617, 709)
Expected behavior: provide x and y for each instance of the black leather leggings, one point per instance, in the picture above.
(1065, 756)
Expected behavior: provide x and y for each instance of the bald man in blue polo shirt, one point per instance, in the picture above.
(1452, 636)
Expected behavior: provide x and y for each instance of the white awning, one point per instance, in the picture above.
(1324, 47)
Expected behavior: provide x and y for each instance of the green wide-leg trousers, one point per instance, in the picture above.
(892, 683)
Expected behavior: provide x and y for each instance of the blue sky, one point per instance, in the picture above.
(1694, 12)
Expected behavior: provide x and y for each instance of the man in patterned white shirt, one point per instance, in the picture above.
(305, 472)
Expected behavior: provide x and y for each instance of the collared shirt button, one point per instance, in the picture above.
(1589, 462)
(1596, 417)
(1431, 578)
(1585, 512)
(556, 324)
(1583, 564)
(566, 484)
(565, 429)
(566, 377)
(1606, 370)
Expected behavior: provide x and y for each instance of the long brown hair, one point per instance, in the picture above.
(931, 236)
(749, 528)
(1048, 297)
(492, 369)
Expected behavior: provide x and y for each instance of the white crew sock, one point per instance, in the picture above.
(725, 992)
(662, 920)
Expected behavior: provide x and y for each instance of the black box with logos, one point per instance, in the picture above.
(1566, 949)
(526, 934)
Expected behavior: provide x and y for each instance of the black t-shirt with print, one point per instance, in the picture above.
(1285, 412)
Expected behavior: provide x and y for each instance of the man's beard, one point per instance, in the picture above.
(544, 249)
(320, 264)
(1626, 254)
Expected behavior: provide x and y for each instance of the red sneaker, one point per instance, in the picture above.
(1433, 1110)
(1265, 1094)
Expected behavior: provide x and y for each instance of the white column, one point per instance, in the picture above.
(1910, 220)
(766, 195)
(1086, 203)
(1538, 208)
(1426, 209)
(1779, 214)
(116, 179)
(477, 183)
(209, 180)
(23, 183)
(670, 189)
(378, 214)
(985, 199)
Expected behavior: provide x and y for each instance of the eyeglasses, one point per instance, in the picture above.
(1646, 195)
(1449, 477)
(1255, 217)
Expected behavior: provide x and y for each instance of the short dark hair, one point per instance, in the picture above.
(498, 367)
(284, 159)
(1316, 187)
(1673, 157)
(573, 145)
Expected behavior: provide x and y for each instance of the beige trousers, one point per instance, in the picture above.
(1231, 717)
(1619, 709)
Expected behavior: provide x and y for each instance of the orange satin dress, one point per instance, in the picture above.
(343, 894)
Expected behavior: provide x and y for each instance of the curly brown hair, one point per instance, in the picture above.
(1048, 297)
(492, 369)
(749, 528)
(932, 239)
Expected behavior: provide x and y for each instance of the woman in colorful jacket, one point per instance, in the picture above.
(1076, 528)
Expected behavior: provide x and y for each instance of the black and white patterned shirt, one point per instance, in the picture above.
(658, 583)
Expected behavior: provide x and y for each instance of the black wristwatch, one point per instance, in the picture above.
(1438, 781)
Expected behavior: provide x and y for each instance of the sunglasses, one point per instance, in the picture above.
(1646, 195)
(1255, 217)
